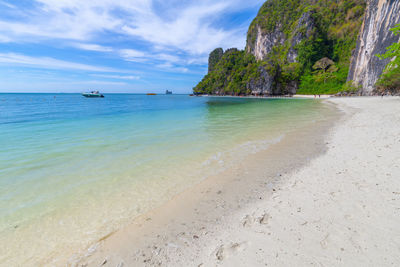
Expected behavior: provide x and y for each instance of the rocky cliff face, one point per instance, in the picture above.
(303, 31)
(264, 42)
(287, 38)
(262, 85)
(375, 36)
(264, 46)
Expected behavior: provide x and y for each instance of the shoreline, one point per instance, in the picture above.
(272, 97)
(210, 201)
(332, 198)
(163, 160)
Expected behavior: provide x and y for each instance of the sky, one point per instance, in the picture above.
(130, 46)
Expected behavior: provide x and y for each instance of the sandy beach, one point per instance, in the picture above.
(329, 196)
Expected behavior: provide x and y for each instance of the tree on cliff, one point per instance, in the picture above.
(390, 79)
(324, 69)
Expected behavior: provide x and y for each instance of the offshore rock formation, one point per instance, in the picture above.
(366, 67)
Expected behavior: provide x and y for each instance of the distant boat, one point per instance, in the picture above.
(92, 94)
(151, 94)
(168, 92)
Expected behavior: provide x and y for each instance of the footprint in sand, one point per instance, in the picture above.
(248, 221)
(264, 219)
(225, 251)
(324, 242)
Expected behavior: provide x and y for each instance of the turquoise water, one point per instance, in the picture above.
(74, 169)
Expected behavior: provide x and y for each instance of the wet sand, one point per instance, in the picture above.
(325, 195)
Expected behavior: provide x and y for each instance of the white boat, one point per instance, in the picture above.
(92, 94)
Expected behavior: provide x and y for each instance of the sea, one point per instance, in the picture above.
(75, 169)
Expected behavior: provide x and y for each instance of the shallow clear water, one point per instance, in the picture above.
(74, 169)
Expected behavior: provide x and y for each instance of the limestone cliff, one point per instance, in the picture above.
(266, 41)
(279, 47)
(288, 37)
(366, 67)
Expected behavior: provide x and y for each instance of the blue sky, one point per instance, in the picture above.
(134, 46)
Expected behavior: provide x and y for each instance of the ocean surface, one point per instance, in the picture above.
(74, 169)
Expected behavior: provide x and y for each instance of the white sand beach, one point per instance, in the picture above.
(326, 197)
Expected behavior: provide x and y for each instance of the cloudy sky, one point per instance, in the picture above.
(115, 45)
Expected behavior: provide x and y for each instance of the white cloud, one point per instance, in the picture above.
(4, 39)
(117, 77)
(190, 30)
(198, 60)
(161, 60)
(96, 82)
(173, 34)
(7, 5)
(188, 26)
(132, 55)
(48, 63)
(171, 67)
(93, 47)
(167, 58)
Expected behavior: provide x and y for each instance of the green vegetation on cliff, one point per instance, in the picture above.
(230, 74)
(390, 79)
(301, 32)
(214, 57)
